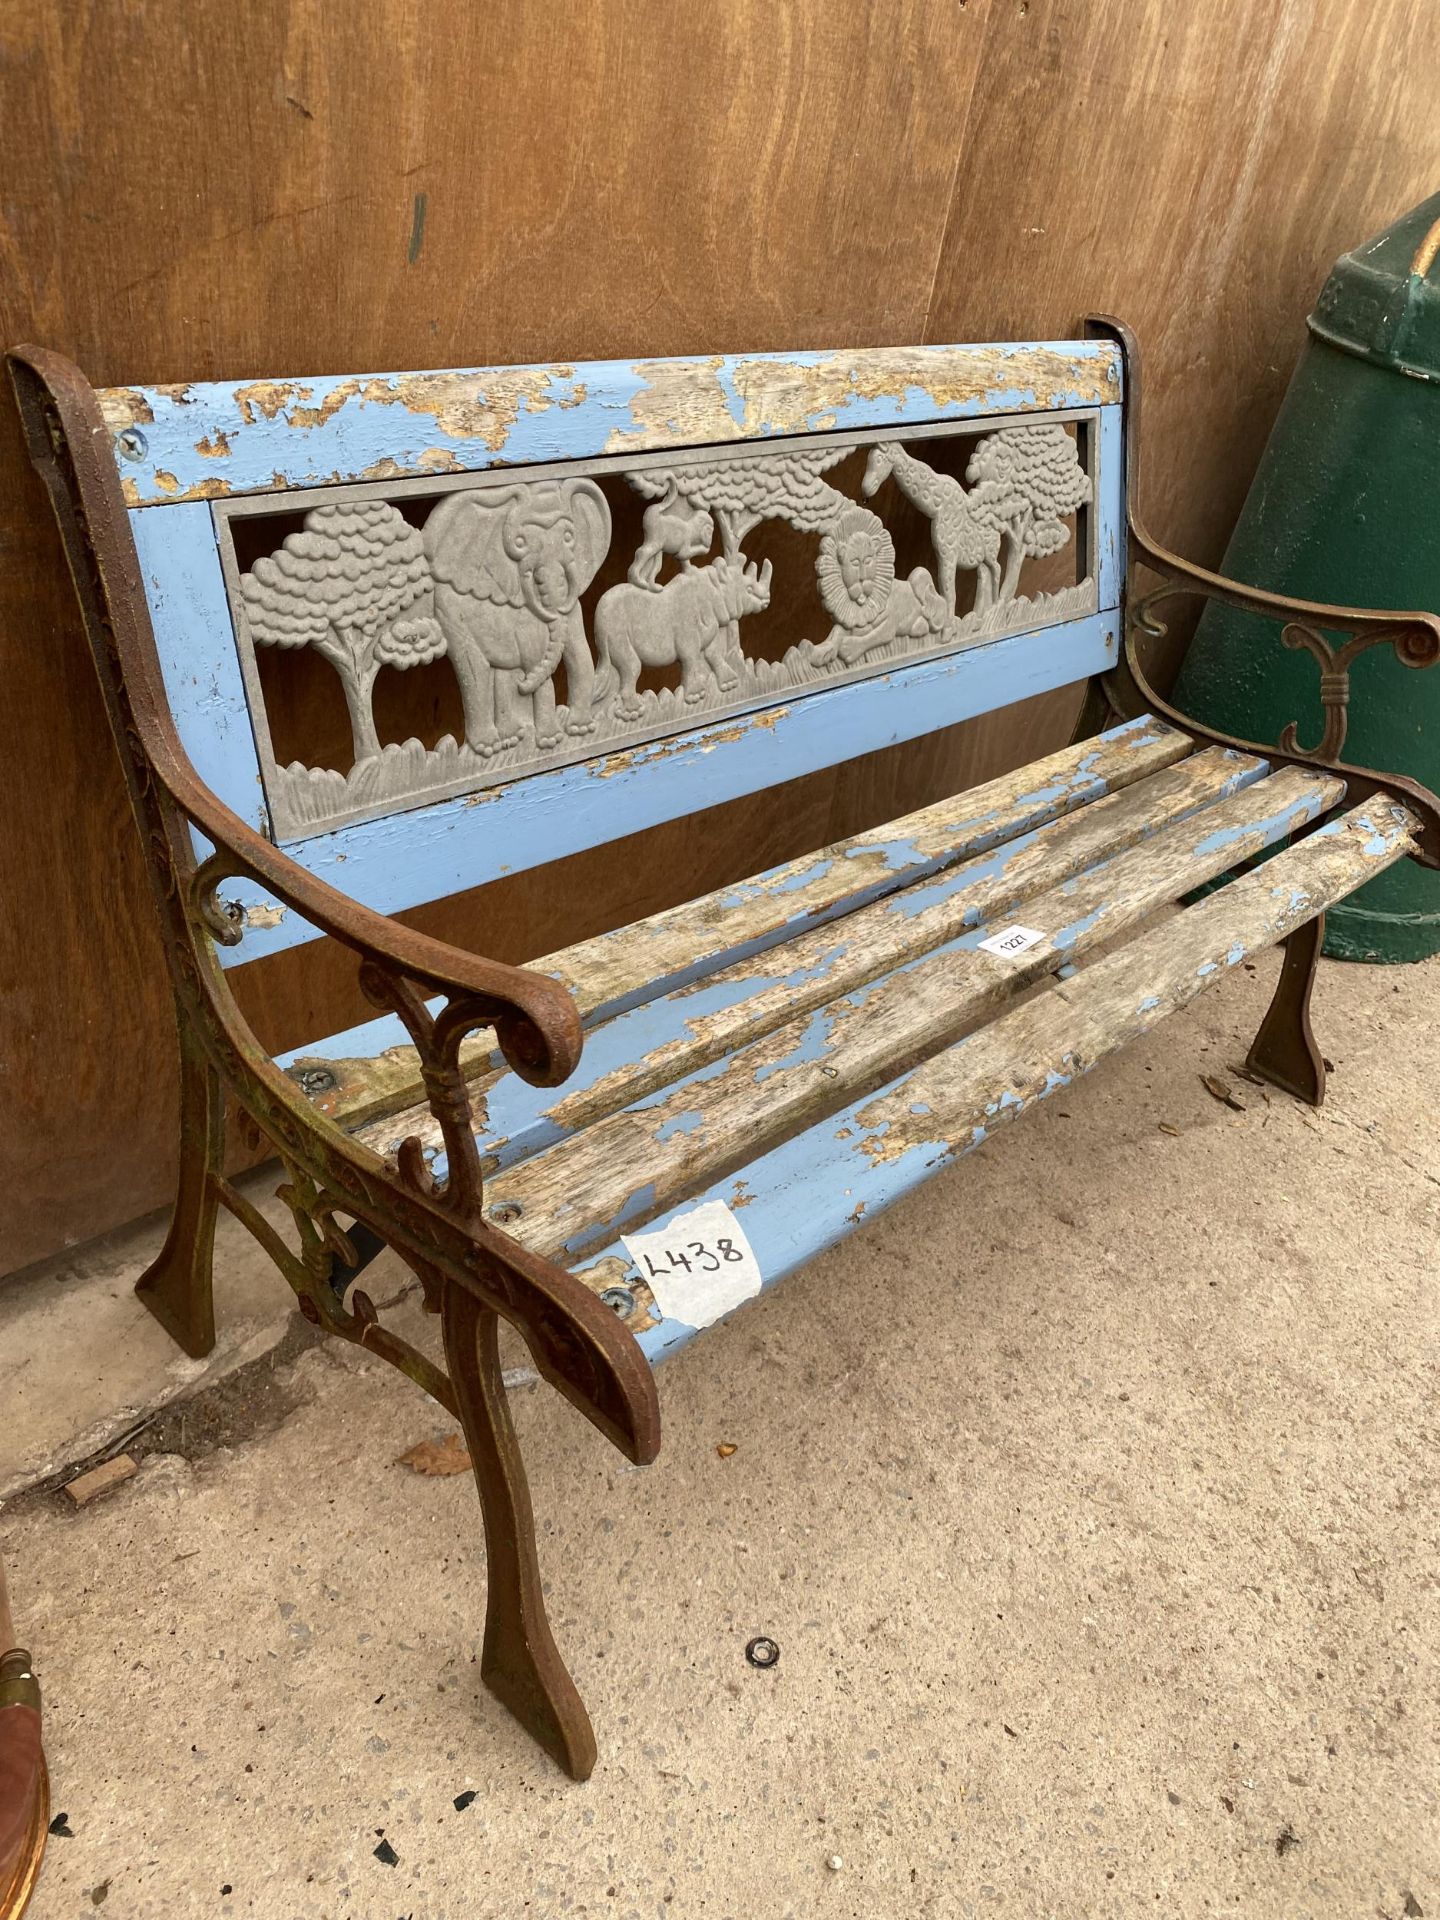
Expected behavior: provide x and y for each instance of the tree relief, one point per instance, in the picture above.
(495, 580)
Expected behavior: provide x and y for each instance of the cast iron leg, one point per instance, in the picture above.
(177, 1288)
(520, 1663)
(1285, 1052)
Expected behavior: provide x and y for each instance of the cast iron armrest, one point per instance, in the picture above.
(536, 1020)
(1415, 637)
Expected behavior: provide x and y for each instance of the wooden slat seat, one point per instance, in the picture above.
(359, 1074)
(708, 1078)
(661, 1002)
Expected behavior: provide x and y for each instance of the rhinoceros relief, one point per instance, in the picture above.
(502, 577)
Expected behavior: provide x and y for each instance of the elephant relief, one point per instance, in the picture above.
(510, 564)
(693, 619)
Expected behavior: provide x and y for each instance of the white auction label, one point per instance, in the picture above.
(1011, 941)
(699, 1266)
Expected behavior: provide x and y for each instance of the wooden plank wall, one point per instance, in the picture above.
(199, 190)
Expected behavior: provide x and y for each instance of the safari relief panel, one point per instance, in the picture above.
(409, 641)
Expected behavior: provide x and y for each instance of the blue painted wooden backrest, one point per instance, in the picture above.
(636, 590)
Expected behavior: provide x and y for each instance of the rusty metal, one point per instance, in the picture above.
(1415, 638)
(519, 1660)
(462, 1258)
(365, 1246)
(1285, 1052)
(177, 1286)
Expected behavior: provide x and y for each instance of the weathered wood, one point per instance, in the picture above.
(669, 948)
(657, 1044)
(1017, 1061)
(811, 1191)
(631, 1166)
(210, 439)
(409, 859)
(816, 967)
(663, 951)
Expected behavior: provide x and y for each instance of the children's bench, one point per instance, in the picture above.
(619, 594)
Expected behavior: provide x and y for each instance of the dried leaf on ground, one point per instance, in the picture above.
(725, 1449)
(437, 1457)
(1222, 1091)
(1165, 1127)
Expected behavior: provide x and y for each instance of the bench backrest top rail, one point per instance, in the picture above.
(619, 576)
(211, 440)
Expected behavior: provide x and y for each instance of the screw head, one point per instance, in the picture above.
(619, 1299)
(132, 443)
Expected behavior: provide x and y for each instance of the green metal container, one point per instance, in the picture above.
(1345, 507)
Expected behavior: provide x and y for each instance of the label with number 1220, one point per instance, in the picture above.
(698, 1266)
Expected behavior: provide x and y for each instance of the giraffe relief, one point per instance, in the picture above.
(487, 583)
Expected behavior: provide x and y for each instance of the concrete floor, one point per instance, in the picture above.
(1090, 1495)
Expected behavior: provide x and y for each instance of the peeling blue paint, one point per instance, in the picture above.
(317, 431)
(636, 1208)
(1067, 936)
(812, 1045)
(785, 881)
(818, 1187)
(430, 852)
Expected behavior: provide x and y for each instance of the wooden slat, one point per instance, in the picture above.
(375, 1072)
(840, 959)
(633, 1165)
(416, 857)
(819, 1186)
(657, 1043)
(212, 439)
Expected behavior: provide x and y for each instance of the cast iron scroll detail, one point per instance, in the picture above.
(1413, 636)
